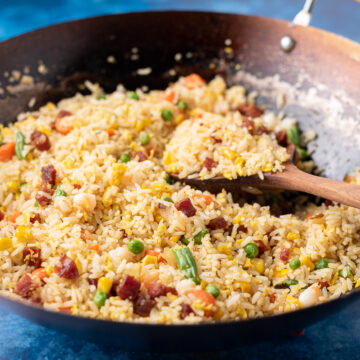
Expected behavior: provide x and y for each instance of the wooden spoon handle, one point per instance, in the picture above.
(294, 179)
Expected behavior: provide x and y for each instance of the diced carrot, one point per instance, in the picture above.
(110, 131)
(207, 198)
(63, 125)
(193, 81)
(205, 297)
(168, 95)
(155, 253)
(95, 247)
(7, 151)
(40, 273)
(12, 218)
(149, 278)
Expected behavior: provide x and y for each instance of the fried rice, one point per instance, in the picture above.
(92, 225)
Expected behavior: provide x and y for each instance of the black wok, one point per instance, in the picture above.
(76, 51)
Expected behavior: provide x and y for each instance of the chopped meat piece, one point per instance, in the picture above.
(250, 110)
(40, 140)
(32, 256)
(1, 215)
(262, 130)
(281, 138)
(67, 268)
(215, 139)
(329, 203)
(42, 199)
(217, 223)
(323, 284)
(249, 125)
(77, 186)
(284, 254)
(63, 113)
(156, 289)
(186, 207)
(272, 297)
(49, 174)
(261, 246)
(186, 310)
(35, 217)
(25, 286)
(141, 156)
(129, 288)
(209, 164)
(143, 305)
(93, 281)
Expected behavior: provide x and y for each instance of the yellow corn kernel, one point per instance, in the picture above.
(5, 243)
(161, 228)
(44, 129)
(78, 264)
(228, 175)
(49, 269)
(7, 132)
(292, 236)
(12, 185)
(29, 156)
(169, 158)
(145, 186)
(335, 278)
(357, 284)
(224, 249)
(175, 238)
(281, 273)
(139, 125)
(247, 264)
(149, 259)
(258, 265)
(158, 186)
(179, 119)
(239, 169)
(241, 312)
(158, 218)
(69, 163)
(306, 261)
(107, 198)
(135, 146)
(109, 264)
(203, 284)
(287, 308)
(171, 296)
(229, 154)
(237, 220)
(74, 310)
(245, 287)
(50, 106)
(104, 284)
(267, 167)
(218, 314)
(293, 300)
(126, 135)
(118, 172)
(23, 233)
(240, 161)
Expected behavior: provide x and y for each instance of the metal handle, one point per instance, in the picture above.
(302, 18)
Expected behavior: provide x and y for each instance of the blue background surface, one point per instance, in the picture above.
(337, 337)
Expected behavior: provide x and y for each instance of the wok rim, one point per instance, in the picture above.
(338, 38)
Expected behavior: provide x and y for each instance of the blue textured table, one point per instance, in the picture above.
(334, 338)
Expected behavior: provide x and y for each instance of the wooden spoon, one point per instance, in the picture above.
(291, 178)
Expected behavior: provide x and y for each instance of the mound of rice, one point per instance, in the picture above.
(73, 202)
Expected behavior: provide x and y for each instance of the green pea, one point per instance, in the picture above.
(182, 105)
(144, 138)
(252, 250)
(168, 199)
(167, 115)
(101, 97)
(345, 272)
(135, 246)
(213, 290)
(294, 263)
(302, 152)
(36, 204)
(134, 96)
(59, 192)
(169, 179)
(100, 298)
(184, 240)
(124, 158)
(293, 135)
(322, 264)
(198, 237)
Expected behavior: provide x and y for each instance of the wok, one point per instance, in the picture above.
(75, 51)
